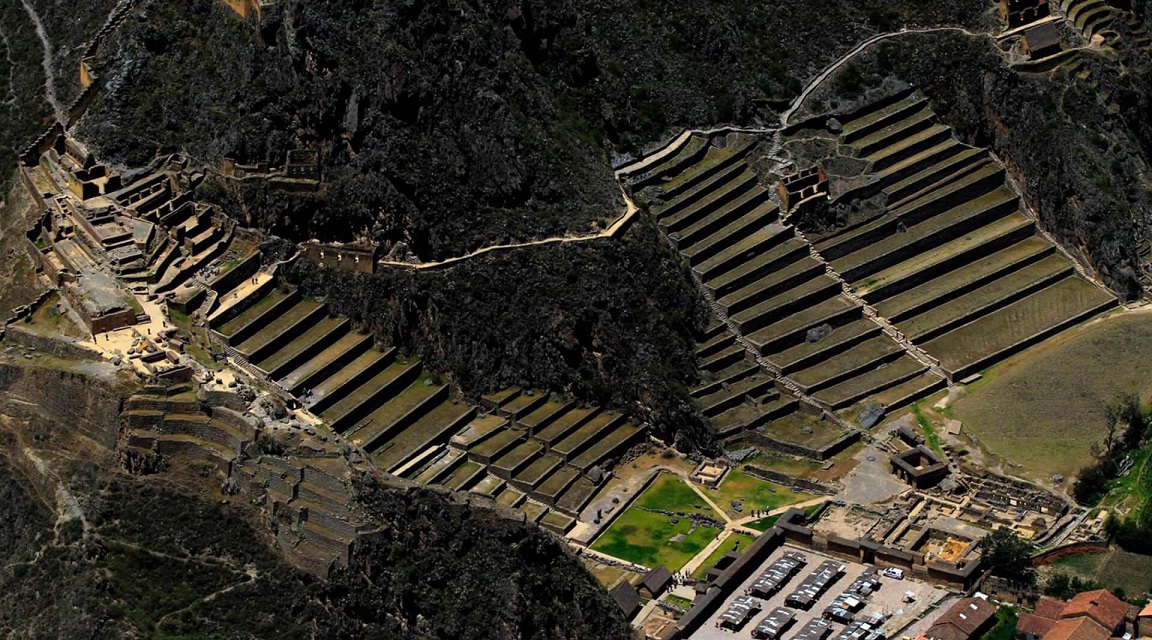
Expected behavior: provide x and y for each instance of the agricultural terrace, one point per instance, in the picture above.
(1111, 570)
(1045, 408)
(643, 536)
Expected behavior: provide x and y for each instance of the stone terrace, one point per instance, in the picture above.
(944, 278)
(522, 448)
(951, 259)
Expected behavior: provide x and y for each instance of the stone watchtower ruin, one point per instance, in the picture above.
(1016, 13)
(804, 194)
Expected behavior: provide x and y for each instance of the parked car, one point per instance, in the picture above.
(894, 573)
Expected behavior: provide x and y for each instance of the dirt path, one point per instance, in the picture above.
(49, 76)
(620, 223)
(11, 68)
(860, 48)
(68, 508)
(674, 146)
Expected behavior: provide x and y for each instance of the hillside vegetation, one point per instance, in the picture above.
(611, 322)
(439, 571)
(459, 123)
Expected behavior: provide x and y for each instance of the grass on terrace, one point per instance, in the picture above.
(670, 493)
(753, 493)
(792, 429)
(1046, 407)
(653, 539)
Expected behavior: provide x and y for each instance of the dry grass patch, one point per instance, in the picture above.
(1045, 408)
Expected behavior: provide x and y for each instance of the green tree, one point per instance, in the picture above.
(1009, 556)
(1058, 585)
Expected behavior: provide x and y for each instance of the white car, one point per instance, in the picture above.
(894, 573)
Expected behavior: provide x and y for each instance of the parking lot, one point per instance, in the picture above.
(888, 600)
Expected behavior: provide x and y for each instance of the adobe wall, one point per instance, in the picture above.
(347, 257)
(1076, 548)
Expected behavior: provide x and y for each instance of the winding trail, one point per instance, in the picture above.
(674, 146)
(11, 69)
(49, 76)
(857, 50)
(617, 225)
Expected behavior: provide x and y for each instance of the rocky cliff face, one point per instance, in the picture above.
(83, 403)
(85, 544)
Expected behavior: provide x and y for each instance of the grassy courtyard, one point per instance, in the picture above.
(1045, 408)
(670, 493)
(652, 539)
(753, 493)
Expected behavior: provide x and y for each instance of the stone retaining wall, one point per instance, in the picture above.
(823, 453)
(788, 481)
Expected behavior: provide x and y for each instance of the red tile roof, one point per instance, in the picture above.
(1100, 605)
(1082, 628)
(1050, 608)
(1146, 612)
(1033, 624)
(964, 620)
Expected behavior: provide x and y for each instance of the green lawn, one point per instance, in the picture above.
(646, 538)
(670, 493)
(736, 541)
(753, 493)
(763, 524)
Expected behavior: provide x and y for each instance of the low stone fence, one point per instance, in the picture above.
(788, 481)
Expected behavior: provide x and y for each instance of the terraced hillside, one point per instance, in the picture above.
(1098, 18)
(938, 277)
(951, 259)
(524, 449)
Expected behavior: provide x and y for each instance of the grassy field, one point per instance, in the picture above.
(1045, 408)
(652, 539)
(1114, 569)
(753, 493)
(736, 541)
(669, 493)
(930, 436)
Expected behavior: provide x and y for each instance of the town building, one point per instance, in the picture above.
(967, 619)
